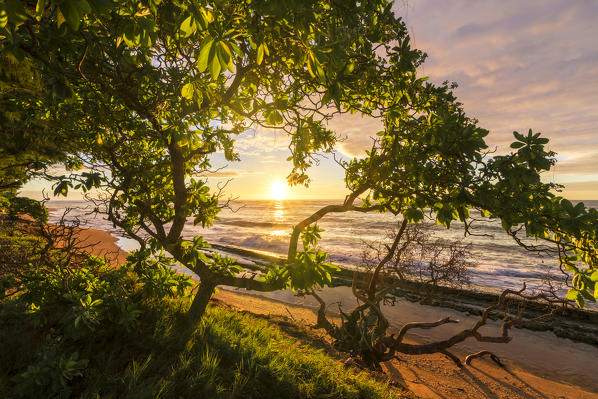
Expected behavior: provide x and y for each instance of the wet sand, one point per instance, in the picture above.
(102, 243)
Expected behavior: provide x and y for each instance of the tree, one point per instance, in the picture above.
(435, 162)
(148, 90)
(28, 145)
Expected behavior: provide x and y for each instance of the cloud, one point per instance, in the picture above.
(581, 164)
(581, 190)
(355, 135)
(582, 185)
(519, 65)
(261, 141)
(356, 132)
(231, 173)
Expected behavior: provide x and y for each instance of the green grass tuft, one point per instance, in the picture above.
(227, 355)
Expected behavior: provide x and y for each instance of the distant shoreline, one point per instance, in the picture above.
(576, 324)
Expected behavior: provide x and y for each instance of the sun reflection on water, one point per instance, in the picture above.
(278, 212)
(279, 233)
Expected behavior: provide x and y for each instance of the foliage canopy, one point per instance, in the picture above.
(145, 92)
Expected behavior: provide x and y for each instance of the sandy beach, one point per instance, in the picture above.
(103, 244)
(432, 376)
(428, 376)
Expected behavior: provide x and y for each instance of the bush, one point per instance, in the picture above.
(14, 206)
(71, 307)
(101, 331)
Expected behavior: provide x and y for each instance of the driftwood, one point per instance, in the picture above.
(496, 359)
(364, 331)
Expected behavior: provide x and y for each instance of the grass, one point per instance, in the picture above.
(45, 352)
(227, 355)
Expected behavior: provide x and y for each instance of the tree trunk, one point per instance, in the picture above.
(200, 302)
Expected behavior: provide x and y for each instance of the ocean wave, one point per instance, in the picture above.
(256, 227)
(266, 243)
(253, 224)
(519, 274)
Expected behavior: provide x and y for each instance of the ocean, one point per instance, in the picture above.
(266, 226)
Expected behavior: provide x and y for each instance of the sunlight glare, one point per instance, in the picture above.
(278, 191)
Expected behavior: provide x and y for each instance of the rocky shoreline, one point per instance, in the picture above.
(579, 325)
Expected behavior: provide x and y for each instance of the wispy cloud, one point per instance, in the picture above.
(519, 65)
(261, 141)
(356, 132)
(231, 173)
(580, 164)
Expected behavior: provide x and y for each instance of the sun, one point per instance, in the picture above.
(278, 191)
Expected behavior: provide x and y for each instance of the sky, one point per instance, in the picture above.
(519, 65)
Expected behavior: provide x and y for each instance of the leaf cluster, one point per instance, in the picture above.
(309, 267)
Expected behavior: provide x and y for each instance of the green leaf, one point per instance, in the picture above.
(84, 6)
(588, 296)
(260, 54)
(227, 56)
(413, 215)
(188, 26)
(235, 48)
(594, 276)
(12, 11)
(72, 13)
(572, 294)
(320, 72)
(580, 301)
(226, 49)
(41, 6)
(567, 205)
(204, 54)
(215, 66)
(310, 67)
(223, 56)
(3, 16)
(519, 136)
(101, 6)
(349, 68)
(207, 15)
(62, 188)
(188, 90)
